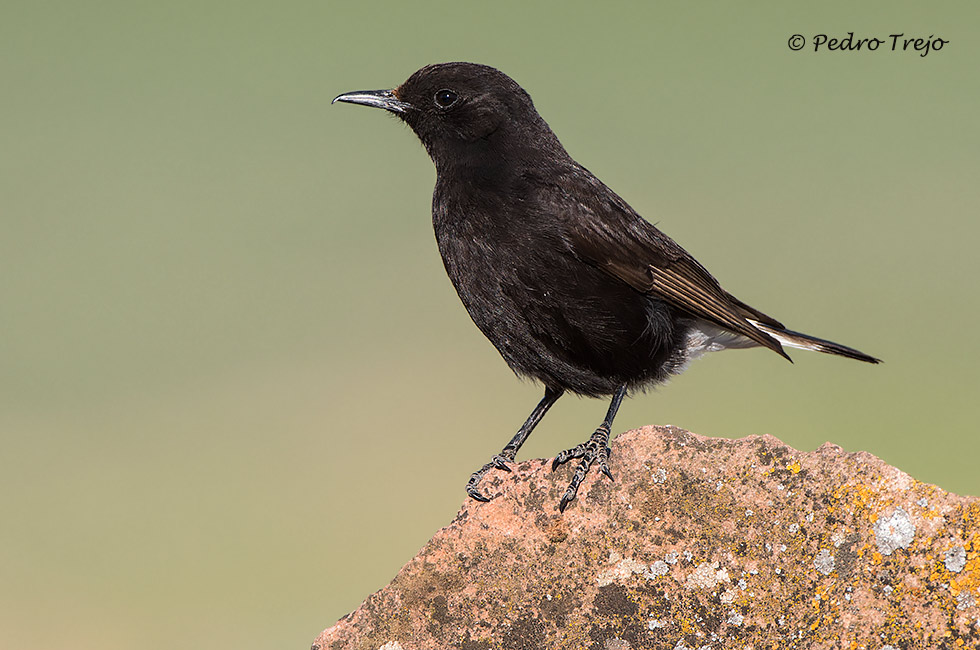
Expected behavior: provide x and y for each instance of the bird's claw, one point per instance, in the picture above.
(594, 450)
(563, 457)
(604, 468)
(472, 486)
(475, 494)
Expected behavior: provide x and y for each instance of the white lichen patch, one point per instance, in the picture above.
(617, 644)
(965, 600)
(706, 576)
(391, 645)
(734, 618)
(657, 569)
(894, 532)
(659, 475)
(824, 562)
(620, 571)
(956, 559)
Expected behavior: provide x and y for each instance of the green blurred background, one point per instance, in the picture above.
(237, 391)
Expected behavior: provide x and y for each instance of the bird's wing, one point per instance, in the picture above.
(606, 232)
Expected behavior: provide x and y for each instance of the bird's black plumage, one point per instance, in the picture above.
(566, 280)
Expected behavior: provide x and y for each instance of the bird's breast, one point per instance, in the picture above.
(550, 314)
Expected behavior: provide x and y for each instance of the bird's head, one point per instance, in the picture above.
(457, 109)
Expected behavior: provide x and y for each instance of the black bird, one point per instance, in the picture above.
(568, 282)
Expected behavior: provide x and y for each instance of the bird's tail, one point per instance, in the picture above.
(793, 339)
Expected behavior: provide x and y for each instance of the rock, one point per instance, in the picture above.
(699, 543)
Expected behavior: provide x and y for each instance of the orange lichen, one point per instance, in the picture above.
(499, 578)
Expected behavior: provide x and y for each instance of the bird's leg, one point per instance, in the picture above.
(596, 448)
(510, 450)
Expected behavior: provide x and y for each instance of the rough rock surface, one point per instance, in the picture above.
(700, 543)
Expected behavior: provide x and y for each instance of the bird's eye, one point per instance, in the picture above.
(445, 98)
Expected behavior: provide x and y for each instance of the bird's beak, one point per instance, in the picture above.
(385, 99)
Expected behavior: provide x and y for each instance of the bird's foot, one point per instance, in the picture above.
(593, 450)
(472, 486)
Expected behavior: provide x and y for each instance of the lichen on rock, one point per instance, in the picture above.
(700, 542)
